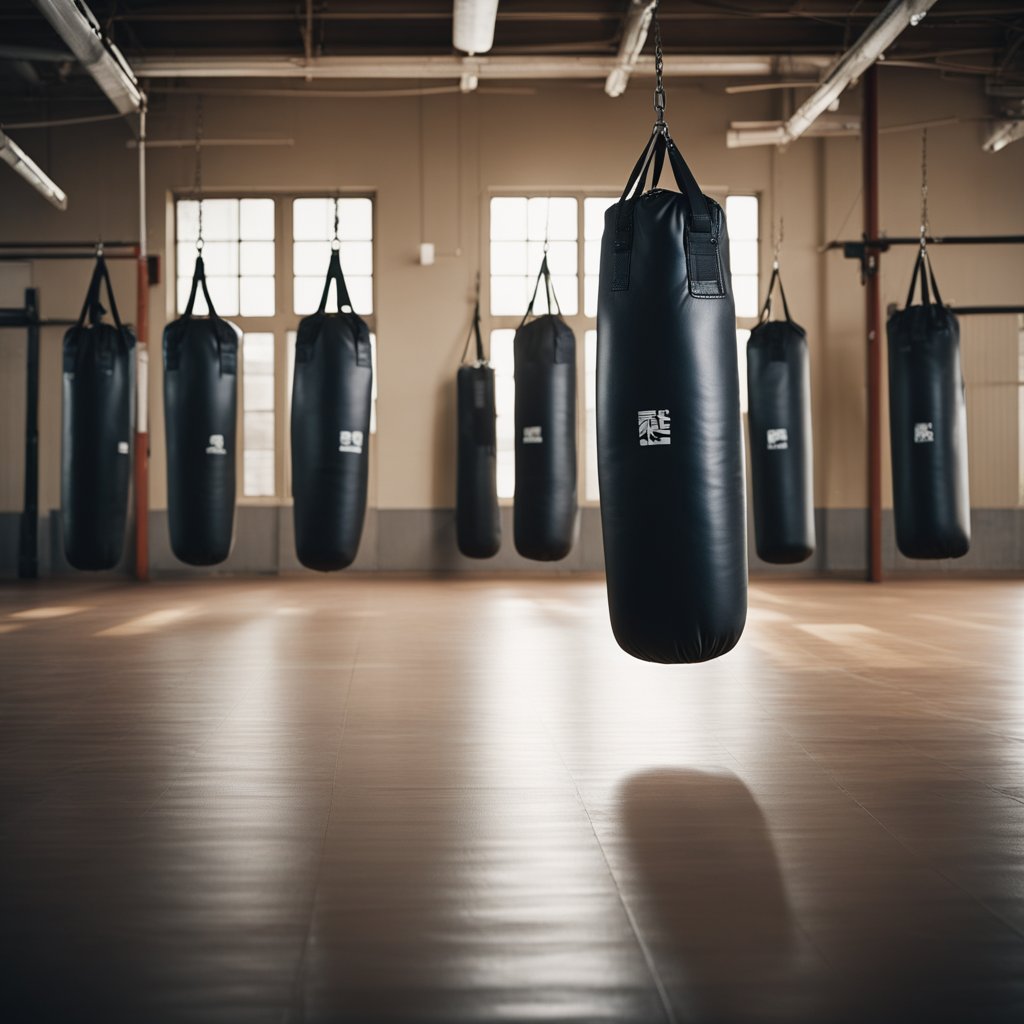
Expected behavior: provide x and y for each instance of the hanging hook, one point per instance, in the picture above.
(335, 241)
(99, 248)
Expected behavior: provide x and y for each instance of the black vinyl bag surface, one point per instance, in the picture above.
(331, 404)
(477, 518)
(779, 419)
(670, 443)
(544, 515)
(200, 415)
(96, 459)
(928, 425)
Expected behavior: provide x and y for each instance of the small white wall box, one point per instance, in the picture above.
(426, 254)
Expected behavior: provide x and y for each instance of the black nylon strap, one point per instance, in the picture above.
(766, 309)
(923, 268)
(475, 330)
(100, 276)
(545, 273)
(199, 278)
(334, 274)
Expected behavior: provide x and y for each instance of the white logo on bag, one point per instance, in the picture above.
(924, 433)
(216, 445)
(655, 426)
(350, 441)
(778, 439)
(532, 435)
(122, 447)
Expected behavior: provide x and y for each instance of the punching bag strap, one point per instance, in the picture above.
(475, 330)
(334, 274)
(923, 269)
(545, 273)
(766, 309)
(199, 278)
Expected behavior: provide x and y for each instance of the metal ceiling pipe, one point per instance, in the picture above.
(635, 26)
(1002, 134)
(473, 25)
(880, 34)
(78, 27)
(11, 153)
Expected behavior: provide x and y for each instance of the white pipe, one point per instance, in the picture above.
(454, 67)
(11, 153)
(880, 34)
(635, 26)
(473, 24)
(1002, 135)
(78, 27)
(142, 349)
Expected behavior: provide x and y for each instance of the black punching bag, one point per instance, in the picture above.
(200, 407)
(779, 415)
(544, 516)
(669, 436)
(331, 400)
(96, 463)
(477, 518)
(928, 425)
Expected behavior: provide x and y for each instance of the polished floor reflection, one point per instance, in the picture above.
(410, 800)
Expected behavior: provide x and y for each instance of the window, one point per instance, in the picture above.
(590, 488)
(503, 363)
(742, 216)
(265, 288)
(238, 250)
(312, 235)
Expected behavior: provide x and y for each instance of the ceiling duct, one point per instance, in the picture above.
(78, 27)
(473, 25)
(635, 26)
(11, 153)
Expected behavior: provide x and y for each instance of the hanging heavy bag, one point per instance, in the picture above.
(928, 425)
(477, 518)
(779, 415)
(670, 447)
(96, 461)
(200, 409)
(331, 400)
(544, 517)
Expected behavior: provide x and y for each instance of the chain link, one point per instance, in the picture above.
(777, 249)
(335, 241)
(659, 76)
(925, 230)
(197, 185)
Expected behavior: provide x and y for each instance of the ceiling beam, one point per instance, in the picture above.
(13, 155)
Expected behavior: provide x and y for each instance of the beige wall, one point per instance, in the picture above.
(558, 136)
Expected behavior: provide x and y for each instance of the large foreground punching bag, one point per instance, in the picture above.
(96, 462)
(544, 517)
(477, 519)
(670, 446)
(928, 425)
(331, 401)
(200, 408)
(779, 415)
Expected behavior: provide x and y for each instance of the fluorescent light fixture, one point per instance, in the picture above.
(78, 27)
(11, 153)
(473, 25)
(877, 37)
(635, 26)
(1002, 134)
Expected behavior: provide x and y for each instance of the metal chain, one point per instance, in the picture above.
(778, 244)
(659, 76)
(197, 186)
(924, 186)
(335, 242)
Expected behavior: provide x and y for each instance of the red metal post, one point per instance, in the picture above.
(873, 321)
(142, 421)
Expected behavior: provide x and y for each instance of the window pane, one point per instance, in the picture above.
(220, 219)
(744, 290)
(561, 257)
(306, 294)
(590, 295)
(508, 218)
(591, 489)
(256, 219)
(552, 218)
(259, 429)
(741, 214)
(742, 334)
(592, 256)
(743, 257)
(257, 258)
(224, 293)
(503, 362)
(258, 474)
(257, 296)
(313, 219)
(355, 220)
(258, 419)
(220, 259)
(188, 220)
(509, 296)
(566, 289)
(356, 259)
(311, 258)
(593, 215)
(360, 290)
(508, 258)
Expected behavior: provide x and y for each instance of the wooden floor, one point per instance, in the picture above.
(366, 799)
